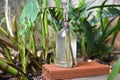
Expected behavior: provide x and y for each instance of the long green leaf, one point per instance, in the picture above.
(46, 34)
(107, 27)
(116, 28)
(52, 21)
(45, 29)
(111, 12)
(57, 3)
(7, 53)
(24, 59)
(15, 28)
(88, 35)
(101, 17)
(2, 20)
(29, 12)
(3, 32)
(115, 70)
(32, 42)
(112, 5)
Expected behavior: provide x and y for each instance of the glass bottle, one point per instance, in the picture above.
(66, 45)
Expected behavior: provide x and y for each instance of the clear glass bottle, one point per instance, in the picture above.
(66, 45)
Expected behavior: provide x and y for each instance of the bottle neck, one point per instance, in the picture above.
(66, 25)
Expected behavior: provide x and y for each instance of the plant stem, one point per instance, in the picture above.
(32, 41)
(11, 70)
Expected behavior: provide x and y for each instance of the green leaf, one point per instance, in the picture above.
(57, 3)
(116, 28)
(101, 11)
(2, 20)
(111, 12)
(81, 3)
(115, 70)
(44, 3)
(88, 35)
(7, 52)
(29, 12)
(112, 5)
